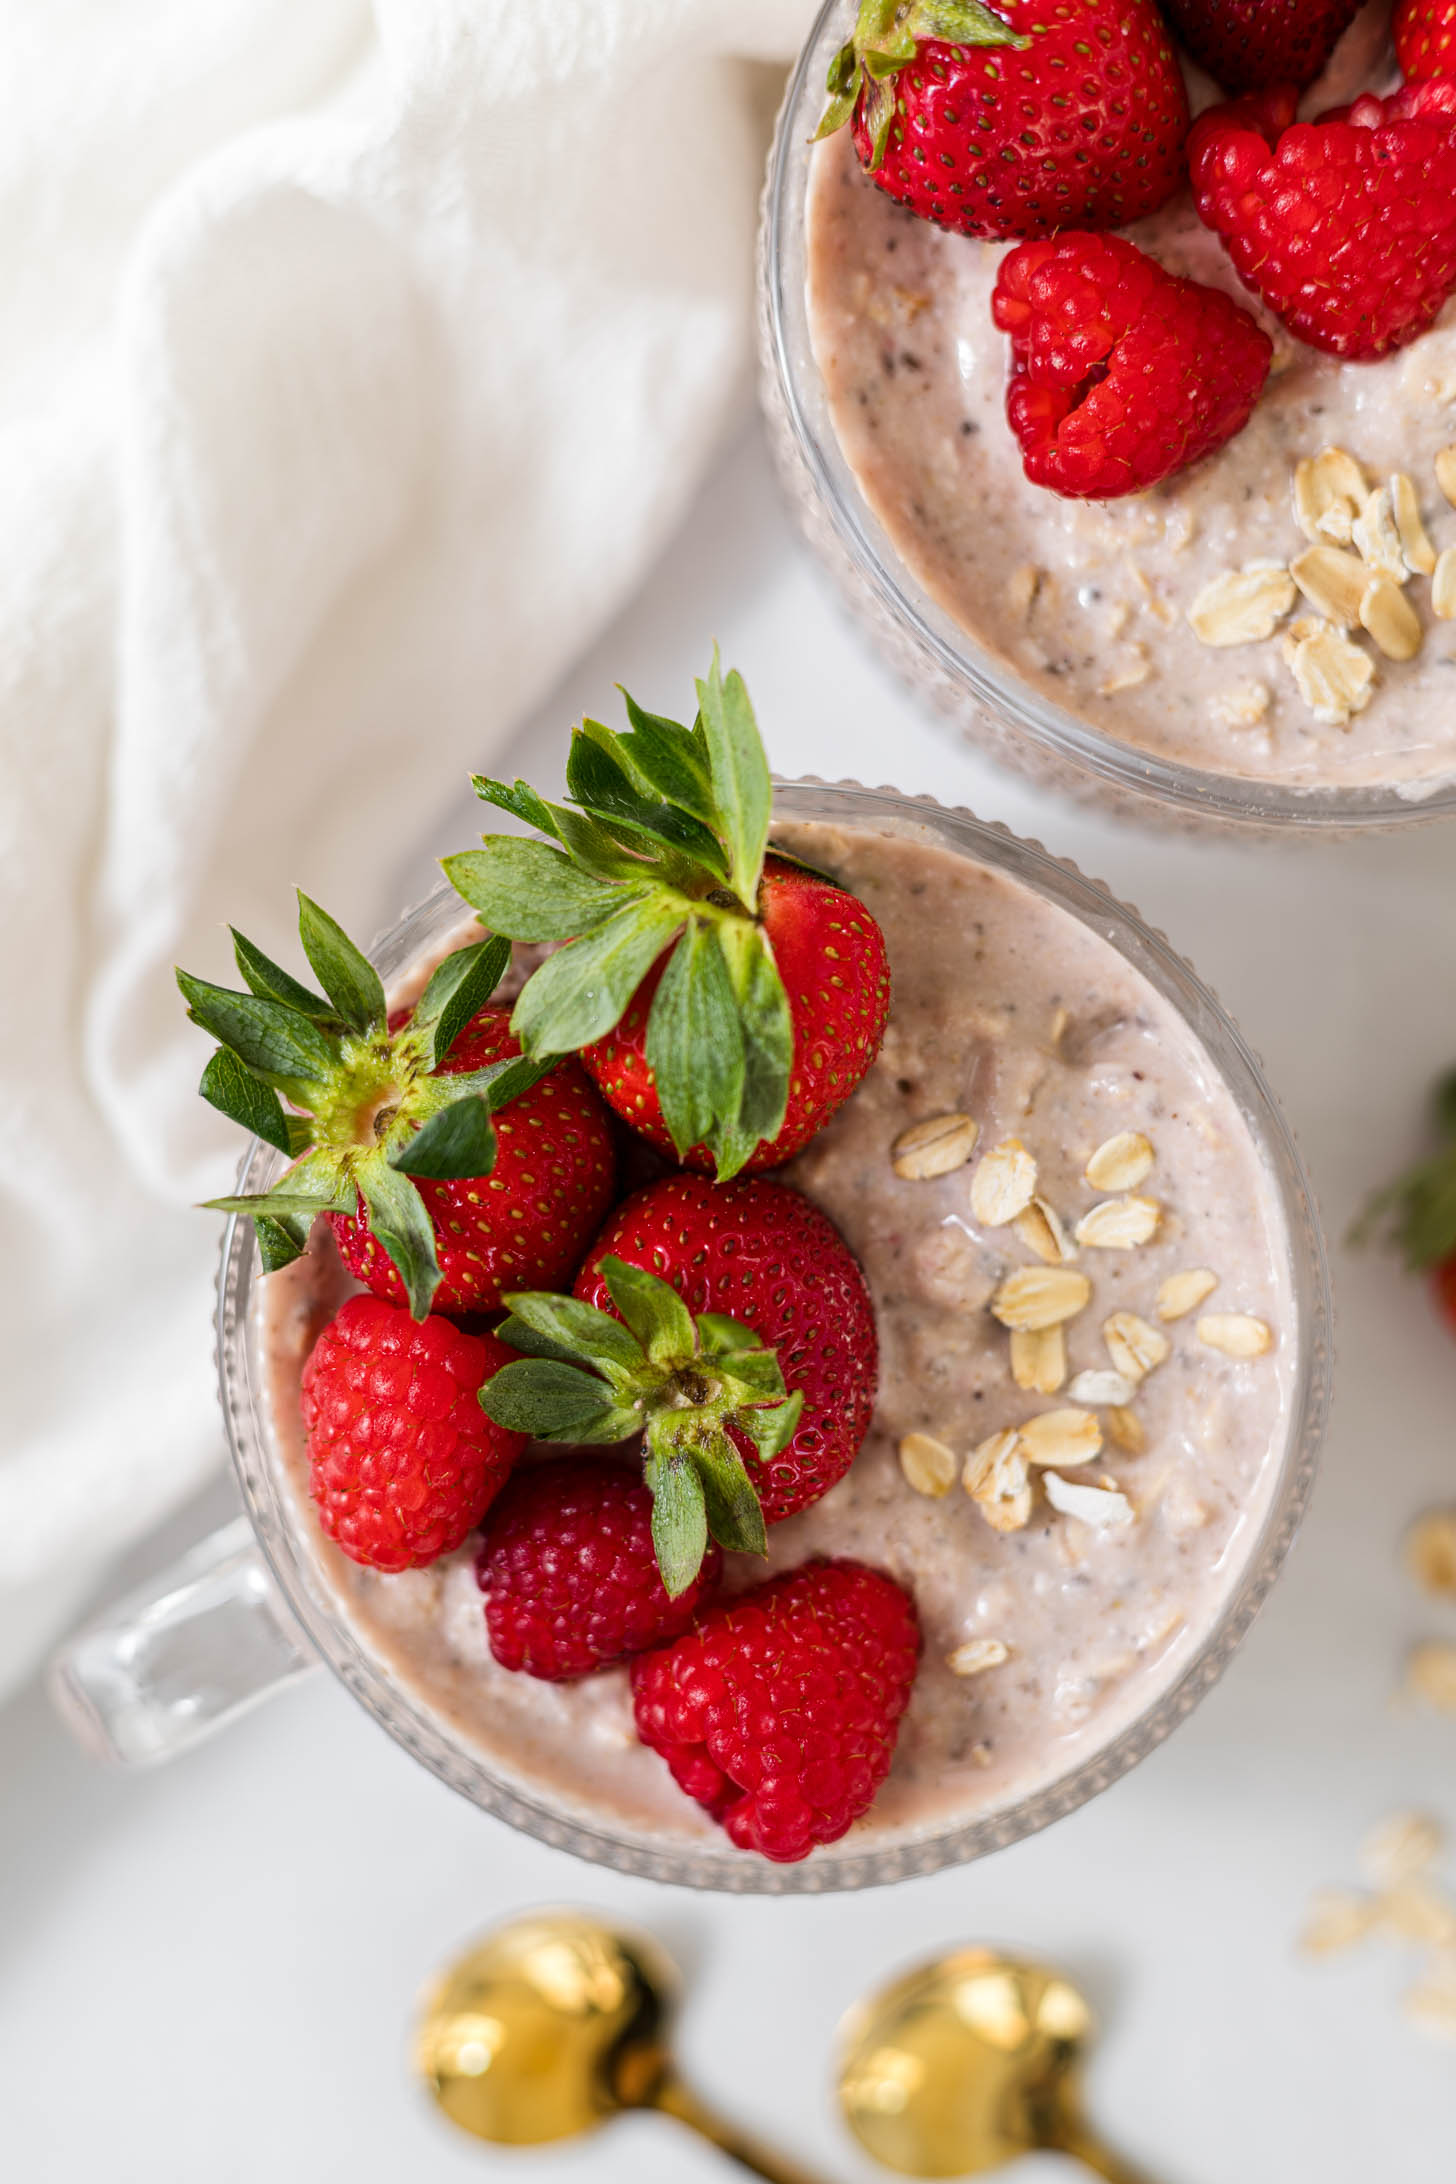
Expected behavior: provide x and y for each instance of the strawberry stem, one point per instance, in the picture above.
(588, 1377)
(658, 856)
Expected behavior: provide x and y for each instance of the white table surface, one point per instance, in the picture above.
(206, 1973)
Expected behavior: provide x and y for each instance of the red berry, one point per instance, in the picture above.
(1346, 225)
(1247, 45)
(762, 1254)
(567, 1568)
(1081, 127)
(526, 1224)
(403, 1462)
(1425, 37)
(1121, 373)
(831, 956)
(779, 1712)
(1443, 1289)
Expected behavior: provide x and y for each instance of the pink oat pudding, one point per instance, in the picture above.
(1074, 1250)
(1167, 620)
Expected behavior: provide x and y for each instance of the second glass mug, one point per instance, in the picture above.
(249, 1610)
(982, 695)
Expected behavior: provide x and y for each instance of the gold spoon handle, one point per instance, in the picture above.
(1071, 2136)
(676, 2099)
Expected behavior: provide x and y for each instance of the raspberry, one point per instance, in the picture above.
(779, 1712)
(1346, 225)
(403, 1462)
(1122, 373)
(568, 1573)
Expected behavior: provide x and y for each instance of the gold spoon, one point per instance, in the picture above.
(968, 2062)
(556, 2022)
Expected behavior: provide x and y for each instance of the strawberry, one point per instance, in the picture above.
(1346, 225)
(402, 1460)
(528, 1222)
(726, 1322)
(1017, 122)
(1443, 1288)
(1425, 37)
(779, 1712)
(830, 955)
(1121, 373)
(390, 1124)
(1418, 1211)
(1249, 45)
(567, 1568)
(725, 1007)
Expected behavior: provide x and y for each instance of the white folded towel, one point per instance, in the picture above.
(355, 364)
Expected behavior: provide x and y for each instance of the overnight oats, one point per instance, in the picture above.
(1268, 627)
(866, 1491)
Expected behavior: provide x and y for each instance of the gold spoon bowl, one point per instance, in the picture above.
(968, 2062)
(555, 2023)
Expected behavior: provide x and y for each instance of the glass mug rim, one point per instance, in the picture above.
(969, 669)
(410, 1722)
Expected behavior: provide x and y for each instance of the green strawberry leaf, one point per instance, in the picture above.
(679, 1517)
(719, 1334)
(399, 1220)
(1443, 1105)
(552, 1401)
(695, 1040)
(742, 784)
(579, 1330)
(753, 1376)
(516, 1335)
(579, 993)
(516, 797)
(284, 1048)
(235, 1092)
(261, 975)
(960, 22)
(887, 34)
(456, 1143)
(1417, 1213)
(669, 764)
(584, 838)
(772, 1430)
(600, 779)
(497, 1084)
(458, 990)
(313, 1187)
(652, 1309)
(734, 1512)
(529, 890)
(278, 1242)
(347, 976)
(768, 1036)
(842, 85)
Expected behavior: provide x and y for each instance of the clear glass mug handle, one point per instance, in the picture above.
(181, 1657)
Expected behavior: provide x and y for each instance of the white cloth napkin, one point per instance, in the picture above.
(355, 363)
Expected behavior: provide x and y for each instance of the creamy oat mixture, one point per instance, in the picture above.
(1096, 1549)
(1089, 602)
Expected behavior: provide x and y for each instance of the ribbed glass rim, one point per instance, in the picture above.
(853, 1863)
(967, 667)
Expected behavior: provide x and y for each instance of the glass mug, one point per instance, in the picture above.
(982, 695)
(249, 1610)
